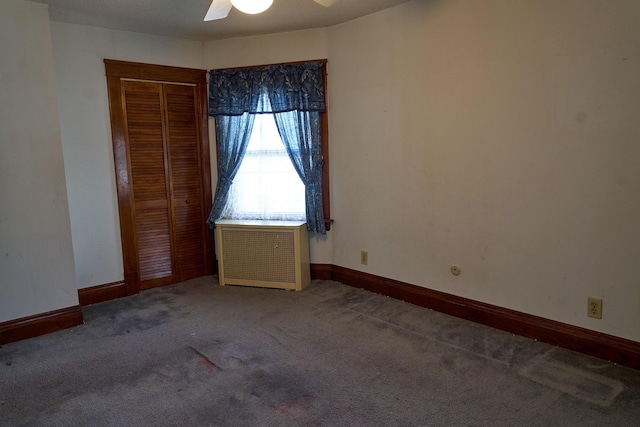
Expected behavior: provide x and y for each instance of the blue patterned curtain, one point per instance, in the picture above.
(300, 132)
(236, 91)
(232, 134)
(296, 95)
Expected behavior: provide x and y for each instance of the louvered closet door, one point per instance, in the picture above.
(186, 181)
(144, 118)
(166, 174)
(161, 152)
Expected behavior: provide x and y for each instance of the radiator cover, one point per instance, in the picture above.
(273, 254)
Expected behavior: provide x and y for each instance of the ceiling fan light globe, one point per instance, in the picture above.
(252, 6)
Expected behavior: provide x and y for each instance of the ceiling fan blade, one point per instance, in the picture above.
(325, 3)
(219, 9)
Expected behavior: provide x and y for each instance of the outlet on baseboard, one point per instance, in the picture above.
(594, 307)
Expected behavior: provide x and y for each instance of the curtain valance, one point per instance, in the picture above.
(290, 87)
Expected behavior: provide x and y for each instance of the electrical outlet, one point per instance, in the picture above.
(364, 258)
(456, 270)
(594, 307)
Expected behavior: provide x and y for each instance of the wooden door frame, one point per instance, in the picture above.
(115, 72)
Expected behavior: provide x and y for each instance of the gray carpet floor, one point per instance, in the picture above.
(197, 354)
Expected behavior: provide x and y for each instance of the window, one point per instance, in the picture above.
(287, 97)
(266, 185)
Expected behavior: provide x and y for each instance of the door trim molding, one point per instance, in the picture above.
(154, 73)
(117, 72)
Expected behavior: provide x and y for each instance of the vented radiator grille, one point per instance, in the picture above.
(259, 255)
(263, 253)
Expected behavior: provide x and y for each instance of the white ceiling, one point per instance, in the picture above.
(184, 18)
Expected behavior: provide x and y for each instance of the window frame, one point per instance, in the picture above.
(260, 155)
(324, 141)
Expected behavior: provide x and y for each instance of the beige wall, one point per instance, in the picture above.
(79, 53)
(263, 50)
(498, 135)
(36, 255)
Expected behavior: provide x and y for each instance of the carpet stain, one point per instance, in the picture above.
(579, 383)
(295, 407)
(141, 320)
(459, 364)
(205, 361)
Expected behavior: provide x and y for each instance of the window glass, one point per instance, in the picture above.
(266, 185)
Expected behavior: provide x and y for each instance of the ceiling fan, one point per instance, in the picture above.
(219, 9)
